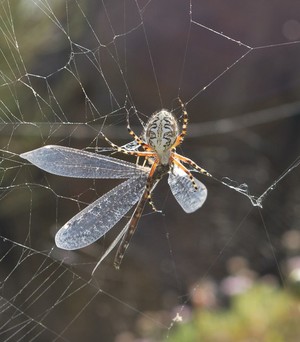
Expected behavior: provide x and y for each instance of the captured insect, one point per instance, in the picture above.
(157, 145)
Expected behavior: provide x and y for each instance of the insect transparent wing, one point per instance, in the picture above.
(70, 162)
(99, 217)
(183, 190)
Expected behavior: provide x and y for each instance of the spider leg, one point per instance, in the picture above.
(149, 185)
(181, 136)
(183, 168)
(145, 146)
(192, 163)
(145, 154)
(131, 153)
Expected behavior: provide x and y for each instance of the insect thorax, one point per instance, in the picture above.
(161, 132)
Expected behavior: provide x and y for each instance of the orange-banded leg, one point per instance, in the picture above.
(192, 163)
(181, 136)
(145, 146)
(146, 154)
(149, 185)
(183, 168)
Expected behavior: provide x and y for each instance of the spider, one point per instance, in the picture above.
(159, 140)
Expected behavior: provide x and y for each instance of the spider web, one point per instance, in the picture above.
(73, 69)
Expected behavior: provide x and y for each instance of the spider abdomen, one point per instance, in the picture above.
(161, 132)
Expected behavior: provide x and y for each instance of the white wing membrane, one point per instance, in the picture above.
(99, 217)
(183, 190)
(70, 162)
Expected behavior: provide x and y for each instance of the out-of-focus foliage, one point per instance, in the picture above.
(263, 313)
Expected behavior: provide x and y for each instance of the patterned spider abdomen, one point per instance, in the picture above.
(161, 132)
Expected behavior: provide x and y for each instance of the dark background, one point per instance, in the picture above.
(71, 69)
